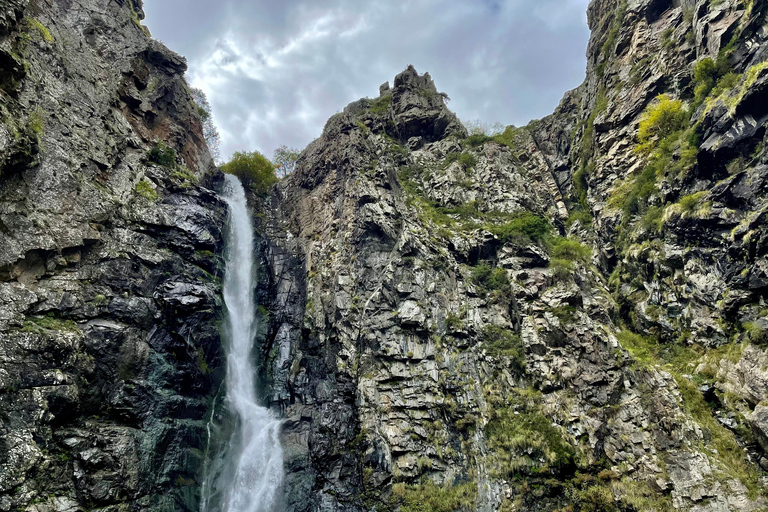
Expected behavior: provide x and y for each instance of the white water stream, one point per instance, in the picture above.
(254, 461)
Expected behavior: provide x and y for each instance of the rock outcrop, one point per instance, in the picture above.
(566, 316)
(109, 350)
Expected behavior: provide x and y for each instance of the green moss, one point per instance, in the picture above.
(429, 497)
(36, 123)
(565, 313)
(49, 323)
(41, 29)
(145, 190)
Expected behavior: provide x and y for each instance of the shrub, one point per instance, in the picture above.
(429, 497)
(491, 279)
(523, 225)
(466, 160)
(756, 334)
(521, 440)
(380, 106)
(477, 139)
(500, 341)
(255, 171)
(145, 190)
(162, 155)
(596, 498)
(660, 120)
(690, 203)
(571, 250)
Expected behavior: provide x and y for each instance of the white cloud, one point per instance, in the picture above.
(275, 71)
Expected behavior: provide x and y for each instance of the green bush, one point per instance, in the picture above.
(690, 203)
(501, 342)
(429, 497)
(523, 226)
(466, 160)
(661, 119)
(477, 139)
(491, 279)
(571, 250)
(255, 171)
(380, 106)
(144, 189)
(162, 155)
(523, 441)
(596, 498)
(756, 334)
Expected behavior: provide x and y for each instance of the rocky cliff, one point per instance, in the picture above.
(109, 298)
(566, 316)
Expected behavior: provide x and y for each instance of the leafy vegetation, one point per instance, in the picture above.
(491, 279)
(162, 155)
(522, 226)
(145, 190)
(429, 497)
(661, 119)
(465, 160)
(503, 342)
(255, 171)
(380, 106)
(523, 441)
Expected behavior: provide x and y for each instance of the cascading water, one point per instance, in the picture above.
(251, 470)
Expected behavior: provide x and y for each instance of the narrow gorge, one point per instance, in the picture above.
(567, 316)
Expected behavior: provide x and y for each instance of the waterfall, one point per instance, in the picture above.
(252, 466)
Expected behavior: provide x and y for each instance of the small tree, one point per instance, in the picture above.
(255, 171)
(284, 160)
(210, 133)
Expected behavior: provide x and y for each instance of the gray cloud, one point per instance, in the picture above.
(275, 71)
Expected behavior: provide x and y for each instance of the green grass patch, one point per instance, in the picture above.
(42, 324)
(429, 497)
(502, 342)
(380, 106)
(145, 190)
(491, 279)
(465, 160)
(522, 227)
(523, 441)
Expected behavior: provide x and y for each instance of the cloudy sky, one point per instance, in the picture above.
(274, 71)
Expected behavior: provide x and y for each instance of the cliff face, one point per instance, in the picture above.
(567, 316)
(437, 341)
(108, 296)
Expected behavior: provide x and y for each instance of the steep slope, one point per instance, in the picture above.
(108, 299)
(436, 343)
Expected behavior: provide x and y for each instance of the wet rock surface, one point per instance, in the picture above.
(109, 348)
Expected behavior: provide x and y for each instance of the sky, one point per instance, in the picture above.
(275, 70)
